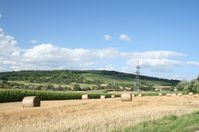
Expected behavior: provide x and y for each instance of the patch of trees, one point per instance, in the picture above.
(11, 85)
(92, 81)
(192, 86)
(146, 86)
(57, 76)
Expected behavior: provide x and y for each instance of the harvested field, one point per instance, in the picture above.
(92, 115)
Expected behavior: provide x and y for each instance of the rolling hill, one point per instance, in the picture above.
(85, 79)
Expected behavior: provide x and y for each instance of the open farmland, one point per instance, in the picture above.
(92, 115)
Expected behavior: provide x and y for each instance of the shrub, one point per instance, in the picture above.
(181, 85)
(76, 87)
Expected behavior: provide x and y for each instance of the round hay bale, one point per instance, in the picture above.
(140, 95)
(160, 94)
(85, 96)
(168, 94)
(190, 93)
(126, 97)
(102, 97)
(179, 94)
(112, 96)
(31, 101)
(173, 94)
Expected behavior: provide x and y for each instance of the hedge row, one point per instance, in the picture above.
(13, 95)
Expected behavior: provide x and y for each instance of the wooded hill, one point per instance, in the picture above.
(86, 78)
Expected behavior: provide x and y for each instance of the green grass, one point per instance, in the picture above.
(108, 78)
(120, 80)
(150, 94)
(185, 123)
(166, 92)
(12, 95)
(43, 83)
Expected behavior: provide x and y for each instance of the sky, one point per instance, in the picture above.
(162, 36)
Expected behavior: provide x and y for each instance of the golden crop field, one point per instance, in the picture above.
(92, 115)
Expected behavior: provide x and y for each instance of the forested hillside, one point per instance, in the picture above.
(85, 80)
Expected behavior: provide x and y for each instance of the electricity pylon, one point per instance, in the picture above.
(137, 77)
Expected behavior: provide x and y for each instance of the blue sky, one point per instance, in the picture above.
(162, 34)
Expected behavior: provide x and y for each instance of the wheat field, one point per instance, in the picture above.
(91, 115)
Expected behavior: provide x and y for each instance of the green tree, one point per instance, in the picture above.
(109, 86)
(4, 80)
(195, 86)
(77, 87)
(182, 85)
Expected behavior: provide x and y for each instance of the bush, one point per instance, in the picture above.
(194, 86)
(11, 95)
(77, 87)
(182, 85)
(150, 94)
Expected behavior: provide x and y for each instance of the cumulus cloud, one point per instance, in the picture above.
(8, 50)
(54, 56)
(158, 65)
(104, 53)
(107, 67)
(195, 63)
(50, 56)
(152, 54)
(107, 37)
(125, 37)
(34, 41)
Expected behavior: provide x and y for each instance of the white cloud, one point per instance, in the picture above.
(195, 63)
(178, 77)
(126, 69)
(54, 56)
(104, 53)
(158, 65)
(107, 67)
(125, 37)
(107, 37)
(8, 50)
(34, 41)
(151, 54)
(50, 56)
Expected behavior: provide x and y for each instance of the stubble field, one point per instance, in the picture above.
(92, 115)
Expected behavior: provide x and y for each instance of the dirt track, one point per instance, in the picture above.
(92, 115)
